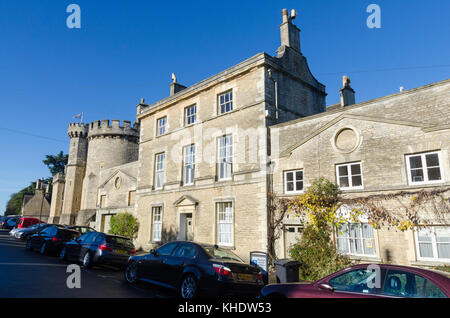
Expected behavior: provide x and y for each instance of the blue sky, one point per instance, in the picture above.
(126, 50)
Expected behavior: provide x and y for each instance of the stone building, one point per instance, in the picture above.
(389, 145)
(102, 157)
(200, 164)
(203, 150)
(37, 205)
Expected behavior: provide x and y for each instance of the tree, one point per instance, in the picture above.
(14, 205)
(124, 224)
(56, 163)
(316, 252)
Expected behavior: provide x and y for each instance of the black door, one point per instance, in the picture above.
(174, 264)
(37, 240)
(151, 267)
(73, 248)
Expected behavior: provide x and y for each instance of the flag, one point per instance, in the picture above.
(80, 115)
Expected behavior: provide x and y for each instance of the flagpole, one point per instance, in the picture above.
(81, 117)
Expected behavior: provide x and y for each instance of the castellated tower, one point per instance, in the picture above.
(75, 171)
(109, 145)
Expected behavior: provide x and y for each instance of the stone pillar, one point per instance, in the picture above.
(57, 197)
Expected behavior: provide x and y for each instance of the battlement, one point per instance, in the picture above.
(78, 130)
(104, 127)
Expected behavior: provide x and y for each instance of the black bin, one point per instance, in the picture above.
(287, 270)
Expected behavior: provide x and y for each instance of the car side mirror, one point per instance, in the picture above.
(153, 252)
(326, 287)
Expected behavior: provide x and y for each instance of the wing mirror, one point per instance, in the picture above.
(326, 287)
(153, 252)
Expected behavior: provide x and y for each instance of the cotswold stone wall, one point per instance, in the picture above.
(379, 134)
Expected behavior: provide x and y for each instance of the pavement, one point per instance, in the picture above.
(26, 274)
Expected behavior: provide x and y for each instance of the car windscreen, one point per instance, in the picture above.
(221, 253)
(68, 235)
(115, 240)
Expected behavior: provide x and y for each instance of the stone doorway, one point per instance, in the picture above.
(186, 208)
(292, 234)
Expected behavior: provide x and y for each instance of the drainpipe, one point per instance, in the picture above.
(269, 72)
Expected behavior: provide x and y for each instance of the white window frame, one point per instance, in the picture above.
(224, 103)
(294, 180)
(424, 168)
(350, 175)
(226, 158)
(226, 205)
(361, 238)
(188, 116)
(156, 224)
(160, 159)
(161, 129)
(435, 257)
(188, 163)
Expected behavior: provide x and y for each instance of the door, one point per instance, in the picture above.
(152, 265)
(174, 264)
(73, 248)
(292, 234)
(189, 228)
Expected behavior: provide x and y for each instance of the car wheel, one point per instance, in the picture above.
(44, 248)
(62, 255)
(87, 260)
(29, 247)
(131, 273)
(189, 287)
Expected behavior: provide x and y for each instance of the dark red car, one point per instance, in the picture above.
(368, 281)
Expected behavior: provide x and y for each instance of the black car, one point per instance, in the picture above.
(196, 269)
(51, 239)
(27, 232)
(10, 222)
(96, 248)
(81, 229)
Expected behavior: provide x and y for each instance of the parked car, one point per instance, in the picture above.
(51, 239)
(195, 269)
(81, 229)
(96, 248)
(23, 234)
(10, 222)
(26, 222)
(360, 281)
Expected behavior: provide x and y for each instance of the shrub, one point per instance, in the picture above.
(317, 254)
(124, 224)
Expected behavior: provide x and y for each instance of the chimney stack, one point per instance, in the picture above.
(290, 34)
(347, 93)
(174, 86)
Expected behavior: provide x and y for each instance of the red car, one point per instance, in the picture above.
(368, 281)
(26, 222)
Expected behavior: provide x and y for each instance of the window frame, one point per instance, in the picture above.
(219, 104)
(158, 126)
(424, 168)
(435, 257)
(361, 238)
(218, 222)
(227, 156)
(294, 180)
(350, 175)
(188, 116)
(159, 209)
(157, 171)
(186, 165)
